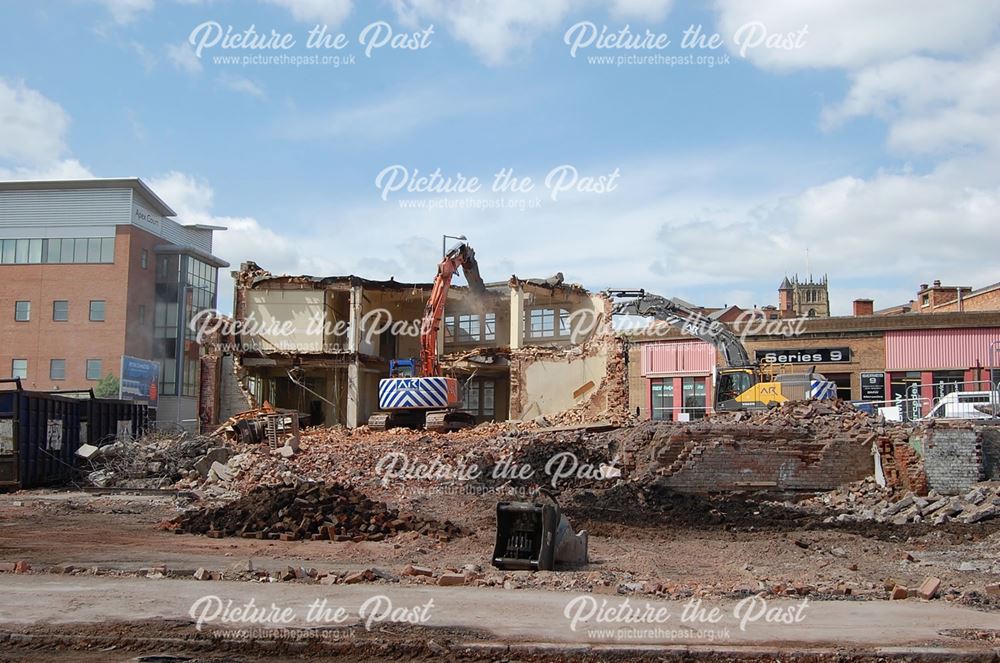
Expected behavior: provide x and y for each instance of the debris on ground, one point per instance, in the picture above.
(317, 511)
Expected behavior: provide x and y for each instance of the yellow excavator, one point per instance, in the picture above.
(742, 384)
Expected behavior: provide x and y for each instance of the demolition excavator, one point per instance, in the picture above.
(416, 395)
(742, 384)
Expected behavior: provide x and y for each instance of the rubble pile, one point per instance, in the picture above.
(155, 461)
(866, 501)
(316, 511)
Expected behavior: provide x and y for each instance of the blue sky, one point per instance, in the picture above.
(871, 141)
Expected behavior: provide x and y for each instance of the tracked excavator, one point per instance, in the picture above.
(742, 384)
(416, 395)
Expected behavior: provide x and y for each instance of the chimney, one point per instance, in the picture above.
(937, 283)
(923, 286)
(864, 307)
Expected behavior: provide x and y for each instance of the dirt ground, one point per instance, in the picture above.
(668, 552)
(671, 547)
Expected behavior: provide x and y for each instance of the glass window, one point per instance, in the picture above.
(470, 401)
(21, 251)
(8, 251)
(93, 369)
(60, 310)
(22, 311)
(142, 314)
(694, 397)
(144, 259)
(449, 329)
(19, 369)
(51, 250)
(80, 250)
(57, 369)
(97, 310)
(662, 392)
(489, 387)
(66, 251)
(490, 327)
(94, 249)
(468, 328)
(542, 323)
(34, 251)
(108, 249)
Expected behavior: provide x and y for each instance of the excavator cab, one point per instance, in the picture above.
(730, 385)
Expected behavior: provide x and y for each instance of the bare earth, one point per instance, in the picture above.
(109, 538)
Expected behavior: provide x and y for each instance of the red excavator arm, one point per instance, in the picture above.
(460, 255)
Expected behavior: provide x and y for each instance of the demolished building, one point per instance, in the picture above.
(526, 348)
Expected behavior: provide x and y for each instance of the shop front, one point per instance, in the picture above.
(678, 379)
(926, 365)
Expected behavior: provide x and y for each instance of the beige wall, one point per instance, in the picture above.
(291, 311)
(547, 385)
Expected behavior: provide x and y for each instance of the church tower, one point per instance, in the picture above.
(809, 299)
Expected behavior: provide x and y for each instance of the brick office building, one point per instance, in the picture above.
(91, 270)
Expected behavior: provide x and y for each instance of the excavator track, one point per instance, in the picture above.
(379, 421)
(443, 421)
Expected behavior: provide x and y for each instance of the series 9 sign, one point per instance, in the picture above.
(806, 356)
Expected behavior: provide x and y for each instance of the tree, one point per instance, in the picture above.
(107, 387)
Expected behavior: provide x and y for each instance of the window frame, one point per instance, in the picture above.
(52, 365)
(14, 371)
(60, 301)
(100, 369)
(17, 313)
(104, 310)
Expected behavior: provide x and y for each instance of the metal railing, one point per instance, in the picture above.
(969, 399)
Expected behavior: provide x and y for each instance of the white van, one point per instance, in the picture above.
(967, 405)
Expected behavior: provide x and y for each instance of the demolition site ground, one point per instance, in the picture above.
(110, 573)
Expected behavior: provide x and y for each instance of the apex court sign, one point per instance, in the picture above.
(805, 356)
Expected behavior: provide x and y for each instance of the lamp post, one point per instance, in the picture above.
(444, 242)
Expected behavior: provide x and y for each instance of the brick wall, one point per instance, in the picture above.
(986, 301)
(700, 458)
(953, 459)
(990, 441)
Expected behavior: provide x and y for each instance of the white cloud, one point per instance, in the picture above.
(147, 58)
(650, 10)
(64, 169)
(241, 84)
(184, 58)
(383, 119)
(126, 11)
(495, 29)
(330, 12)
(32, 127)
(855, 33)
(931, 105)
(246, 238)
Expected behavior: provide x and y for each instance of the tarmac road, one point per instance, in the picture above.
(517, 617)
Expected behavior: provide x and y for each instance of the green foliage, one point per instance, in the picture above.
(107, 387)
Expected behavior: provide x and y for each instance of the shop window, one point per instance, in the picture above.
(946, 382)
(843, 382)
(693, 390)
(662, 399)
